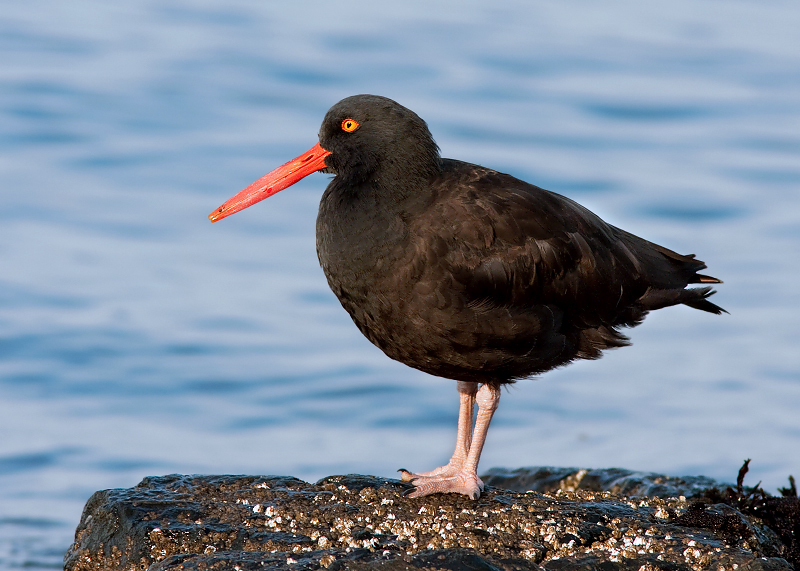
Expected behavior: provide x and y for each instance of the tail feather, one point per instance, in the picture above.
(667, 273)
(699, 300)
(687, 266)
(703, 279)
(692, 297)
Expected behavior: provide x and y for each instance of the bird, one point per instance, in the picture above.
(467, 273)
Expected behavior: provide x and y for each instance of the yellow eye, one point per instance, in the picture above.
(349, 125)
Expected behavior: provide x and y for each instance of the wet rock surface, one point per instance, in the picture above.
(620, 482)
(361, 522)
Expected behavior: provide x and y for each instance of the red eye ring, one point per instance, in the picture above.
(349, 125)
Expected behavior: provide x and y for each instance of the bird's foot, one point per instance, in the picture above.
(446, 480)
(448, 470)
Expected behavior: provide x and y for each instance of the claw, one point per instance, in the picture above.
(406, 476)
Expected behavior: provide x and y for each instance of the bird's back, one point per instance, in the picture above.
(488, 278)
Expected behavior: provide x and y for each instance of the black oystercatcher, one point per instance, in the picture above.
(467, 273)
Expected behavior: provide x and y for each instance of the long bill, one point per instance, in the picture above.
(282, 177)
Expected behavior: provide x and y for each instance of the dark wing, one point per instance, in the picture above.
(541, 267)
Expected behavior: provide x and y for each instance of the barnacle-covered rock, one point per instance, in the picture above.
(362, 522)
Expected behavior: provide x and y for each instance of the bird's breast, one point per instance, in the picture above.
(359, 244)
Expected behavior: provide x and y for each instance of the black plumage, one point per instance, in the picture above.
(467, 273)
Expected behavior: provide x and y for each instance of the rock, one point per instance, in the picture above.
(364, 523)
(615, 480)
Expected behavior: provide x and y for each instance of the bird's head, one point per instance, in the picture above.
(363, 137)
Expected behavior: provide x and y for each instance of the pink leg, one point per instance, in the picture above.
(467, 392)
(460, 475)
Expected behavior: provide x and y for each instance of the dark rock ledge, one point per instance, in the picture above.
(577, 519)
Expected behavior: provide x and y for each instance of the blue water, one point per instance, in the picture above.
(136, 338)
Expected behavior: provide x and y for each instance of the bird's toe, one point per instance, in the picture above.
(465, 483)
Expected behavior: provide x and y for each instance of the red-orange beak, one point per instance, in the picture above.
(282, 177)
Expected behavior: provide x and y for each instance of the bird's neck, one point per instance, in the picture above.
(398, 187)
(360, 224)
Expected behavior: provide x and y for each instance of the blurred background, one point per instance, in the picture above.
(138, 339)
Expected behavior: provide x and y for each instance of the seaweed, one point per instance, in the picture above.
(779, 513)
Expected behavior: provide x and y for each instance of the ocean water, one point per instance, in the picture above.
(138, 339)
